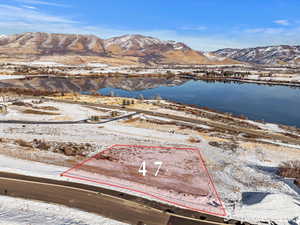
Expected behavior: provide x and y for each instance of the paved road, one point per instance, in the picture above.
(112, 204)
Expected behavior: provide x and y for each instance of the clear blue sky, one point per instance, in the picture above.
(202, 24)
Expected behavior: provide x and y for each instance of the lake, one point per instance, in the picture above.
(277, 104)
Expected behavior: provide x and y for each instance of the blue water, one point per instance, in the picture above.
(277, 104)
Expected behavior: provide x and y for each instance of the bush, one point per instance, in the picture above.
(23, 143)
(19, 103)
(49, 108)
(31, 111)
(194, 140)
(290, 169)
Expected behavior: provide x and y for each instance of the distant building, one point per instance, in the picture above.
(3, 108)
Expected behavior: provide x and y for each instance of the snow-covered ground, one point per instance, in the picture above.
(65, 112)
(281, 208)
(251, 168)
(240, 171)
(16, 211)
(292, 78)
(39, 64)
(11, 77)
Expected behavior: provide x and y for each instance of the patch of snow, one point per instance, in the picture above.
(213, 57)
(279, 208)
(96, 64)
(267, 126)
(281, 144)
(17, 211)
(253, 77)
(93, 42)
(37, 63)
(11, 77)
(71, 111)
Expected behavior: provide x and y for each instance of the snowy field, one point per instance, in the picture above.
(11, 77)
(16, 211)
(65, 112)
(245, 177)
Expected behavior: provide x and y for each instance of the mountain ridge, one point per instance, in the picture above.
(276, 54)
(134, 49)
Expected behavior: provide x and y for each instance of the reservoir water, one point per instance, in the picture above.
(277, 104)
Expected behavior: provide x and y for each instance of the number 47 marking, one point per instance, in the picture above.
(143, 169)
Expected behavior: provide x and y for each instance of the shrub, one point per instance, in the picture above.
(19, 103)
(194, 140)
(290, 169)
(31, 111)
(23, 143)
(49, 108)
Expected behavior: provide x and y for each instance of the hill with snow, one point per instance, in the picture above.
(78, 49)
(282, 54)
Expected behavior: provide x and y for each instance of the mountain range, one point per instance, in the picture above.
(282, 54)
(79, 49)
(130, 50)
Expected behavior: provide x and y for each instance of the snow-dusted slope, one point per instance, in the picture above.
(219, 59)
(263, 55)
(153, 50)
(139, 42)
(38, 43)
(79, 49)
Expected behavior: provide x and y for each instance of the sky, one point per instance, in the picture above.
(204, 25)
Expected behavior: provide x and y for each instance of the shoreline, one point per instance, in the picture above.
(29, 93)
(253, 81)
(266, 81)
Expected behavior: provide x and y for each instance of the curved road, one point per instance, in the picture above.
(112, 204)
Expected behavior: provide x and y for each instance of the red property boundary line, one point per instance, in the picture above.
(202, 163)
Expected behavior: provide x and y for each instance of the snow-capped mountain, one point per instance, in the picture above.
(78, 49)
(282, 54)
(49, 44)
(153, 50)
(143, 43)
